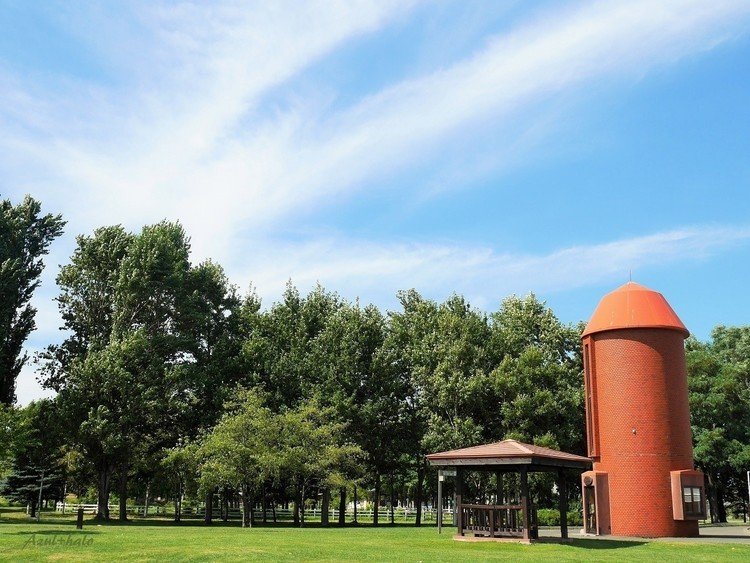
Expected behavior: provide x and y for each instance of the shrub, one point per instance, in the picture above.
(551, 517)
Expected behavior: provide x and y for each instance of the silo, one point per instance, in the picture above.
(638, 420)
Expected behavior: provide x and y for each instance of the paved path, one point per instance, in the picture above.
(708, 534)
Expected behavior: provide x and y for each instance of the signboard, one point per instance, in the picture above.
(446, 473)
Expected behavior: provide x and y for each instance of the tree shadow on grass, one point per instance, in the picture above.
(65, 533)
(593, 543)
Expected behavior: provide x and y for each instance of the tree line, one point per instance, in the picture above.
(170, 382)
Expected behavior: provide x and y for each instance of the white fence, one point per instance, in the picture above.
(384, 514)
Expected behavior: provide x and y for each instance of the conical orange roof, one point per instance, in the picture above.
(634, 306)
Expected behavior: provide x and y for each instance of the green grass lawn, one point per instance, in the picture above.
(56, 539)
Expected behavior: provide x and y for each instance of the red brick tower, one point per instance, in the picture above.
(638, 420)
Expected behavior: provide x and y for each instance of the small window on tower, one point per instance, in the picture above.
(692, 501)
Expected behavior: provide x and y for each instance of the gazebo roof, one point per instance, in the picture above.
(509, 452)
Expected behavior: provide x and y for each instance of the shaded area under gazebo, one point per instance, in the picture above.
(506, 519)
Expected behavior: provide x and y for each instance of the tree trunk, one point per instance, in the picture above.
(712, 498)
(325, 507)
(102, 500)
(251, 504)
(376, 500)
(225, 504)
(64, 495)
(264, 504)
(721, 510)
(209, 515)
(342, 506)
(302, 506)
(246, 507)
(32, 506)
(355, 503)
(178, 503)
(393, 502)
(296, 507)
(145, 506)
(420, 485)
(123, 492)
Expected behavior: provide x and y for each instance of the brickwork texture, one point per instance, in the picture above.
(642, 419)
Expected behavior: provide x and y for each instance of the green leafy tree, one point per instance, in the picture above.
(181, 465)
(538, 380)
(213, 325)
(86, 301)
(132, 304)
(313, 451)
(113, 398)
(719, 384)
(25, 236)
(37, 456)
(8, 435)
(242, 451)
(361, 383)
(279, 352)
(476, 379)
(440, 350)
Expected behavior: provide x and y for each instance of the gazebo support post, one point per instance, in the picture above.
(459, 492)
(562, 490)
(499, 489)
(440, 504)
(525, 503)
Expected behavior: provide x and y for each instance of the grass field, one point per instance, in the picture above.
(56, 539)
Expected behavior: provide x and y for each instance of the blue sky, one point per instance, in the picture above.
(485, 148)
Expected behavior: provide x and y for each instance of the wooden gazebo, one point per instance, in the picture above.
(506, 519)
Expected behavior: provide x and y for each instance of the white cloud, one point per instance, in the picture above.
(376, 271)
(175, 129)
(28, 388)
(181, 136)
(164, 140)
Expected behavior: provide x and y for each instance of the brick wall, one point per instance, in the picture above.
(643, 422)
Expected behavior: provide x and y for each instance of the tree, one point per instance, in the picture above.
(25, 236)
(213, 323)
(313, 451)
(86, 302)
(181, 464)
(476, 379)
(242, 451)
(8, 434)
(440, 351)
(538, 378)
(252, 447)
(279, 352)
(719, 386)
(113, 397)
(361, 384)
(37, 456)
(126, 299)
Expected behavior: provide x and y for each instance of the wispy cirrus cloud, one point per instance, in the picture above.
(181, 137)
(378, 271)
(181, 117)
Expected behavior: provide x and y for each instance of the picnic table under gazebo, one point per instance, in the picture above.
(505, 518)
